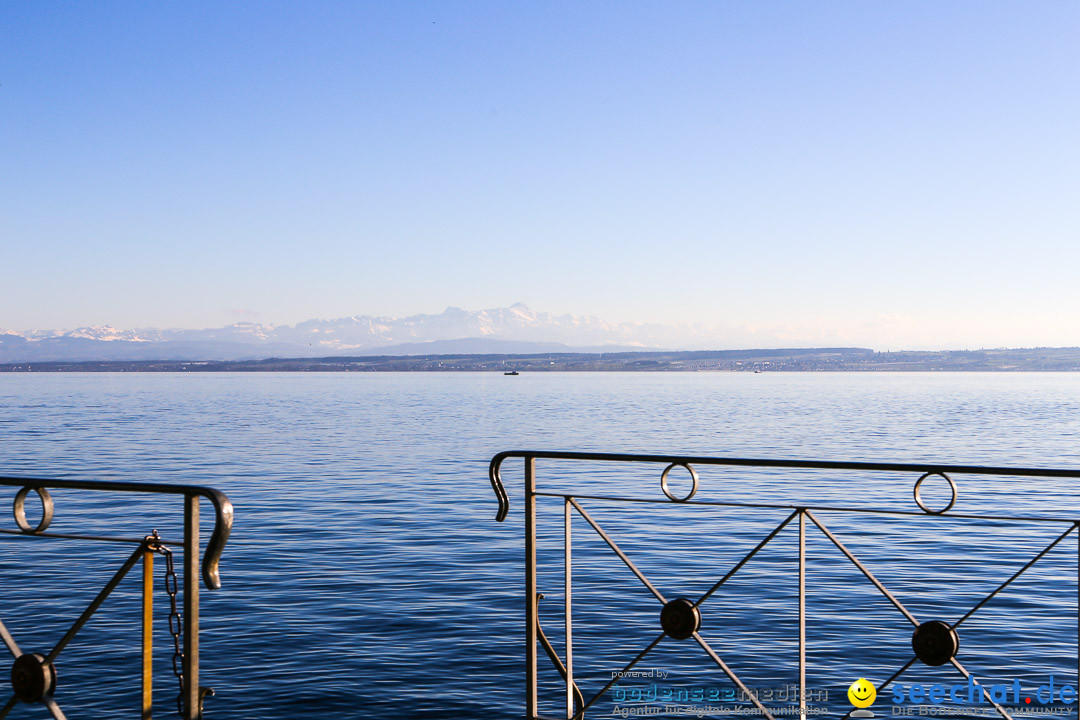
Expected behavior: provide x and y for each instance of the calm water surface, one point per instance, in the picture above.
(367, 578)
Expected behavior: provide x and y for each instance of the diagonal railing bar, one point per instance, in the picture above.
(614, 547)
(898, 673)
(712, 654)
(731, 674)
(554, 656)
(963, 671)
(94, 605)
(12, 646)
(626, 669)
(1015, 575)
(862, 568)
(746, 559)
(50, 702)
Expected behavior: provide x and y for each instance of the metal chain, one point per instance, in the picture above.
(176, 625)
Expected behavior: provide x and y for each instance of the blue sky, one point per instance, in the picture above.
(899, 174)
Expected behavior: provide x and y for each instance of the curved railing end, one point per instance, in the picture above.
(223, 520)
(497, 485)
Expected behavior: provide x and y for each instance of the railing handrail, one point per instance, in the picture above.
(928, 467)
(223, 510)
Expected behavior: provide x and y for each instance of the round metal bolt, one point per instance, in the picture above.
(20, 509)
(680, 618)
(664, 483)
(935, 642)
(30, 679)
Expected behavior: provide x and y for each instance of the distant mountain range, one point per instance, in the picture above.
(516, 329)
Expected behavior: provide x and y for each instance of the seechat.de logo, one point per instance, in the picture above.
(972, 693)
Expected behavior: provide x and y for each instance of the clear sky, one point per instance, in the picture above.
(890, 174)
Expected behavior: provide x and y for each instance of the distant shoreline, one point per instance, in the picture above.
(787, 360)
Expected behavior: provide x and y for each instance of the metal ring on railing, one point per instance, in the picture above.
(664, 485)
(918, 494)
(20, 510)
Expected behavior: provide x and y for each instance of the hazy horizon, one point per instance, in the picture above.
(502, 326)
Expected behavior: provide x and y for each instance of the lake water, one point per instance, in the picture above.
(366, 577)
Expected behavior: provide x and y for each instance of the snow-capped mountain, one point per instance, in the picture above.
(106, 333)
(517, 322)
(516, 329)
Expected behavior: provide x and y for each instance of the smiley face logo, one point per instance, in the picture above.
(862, 693)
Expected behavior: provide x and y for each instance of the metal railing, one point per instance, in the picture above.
(934, 642)
(34, 675)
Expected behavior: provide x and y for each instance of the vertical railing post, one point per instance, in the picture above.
(148, 634)
(802, 614)
(192, 703)
(530, 587)
(567, 616)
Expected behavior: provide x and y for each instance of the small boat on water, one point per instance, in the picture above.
(512, 372)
